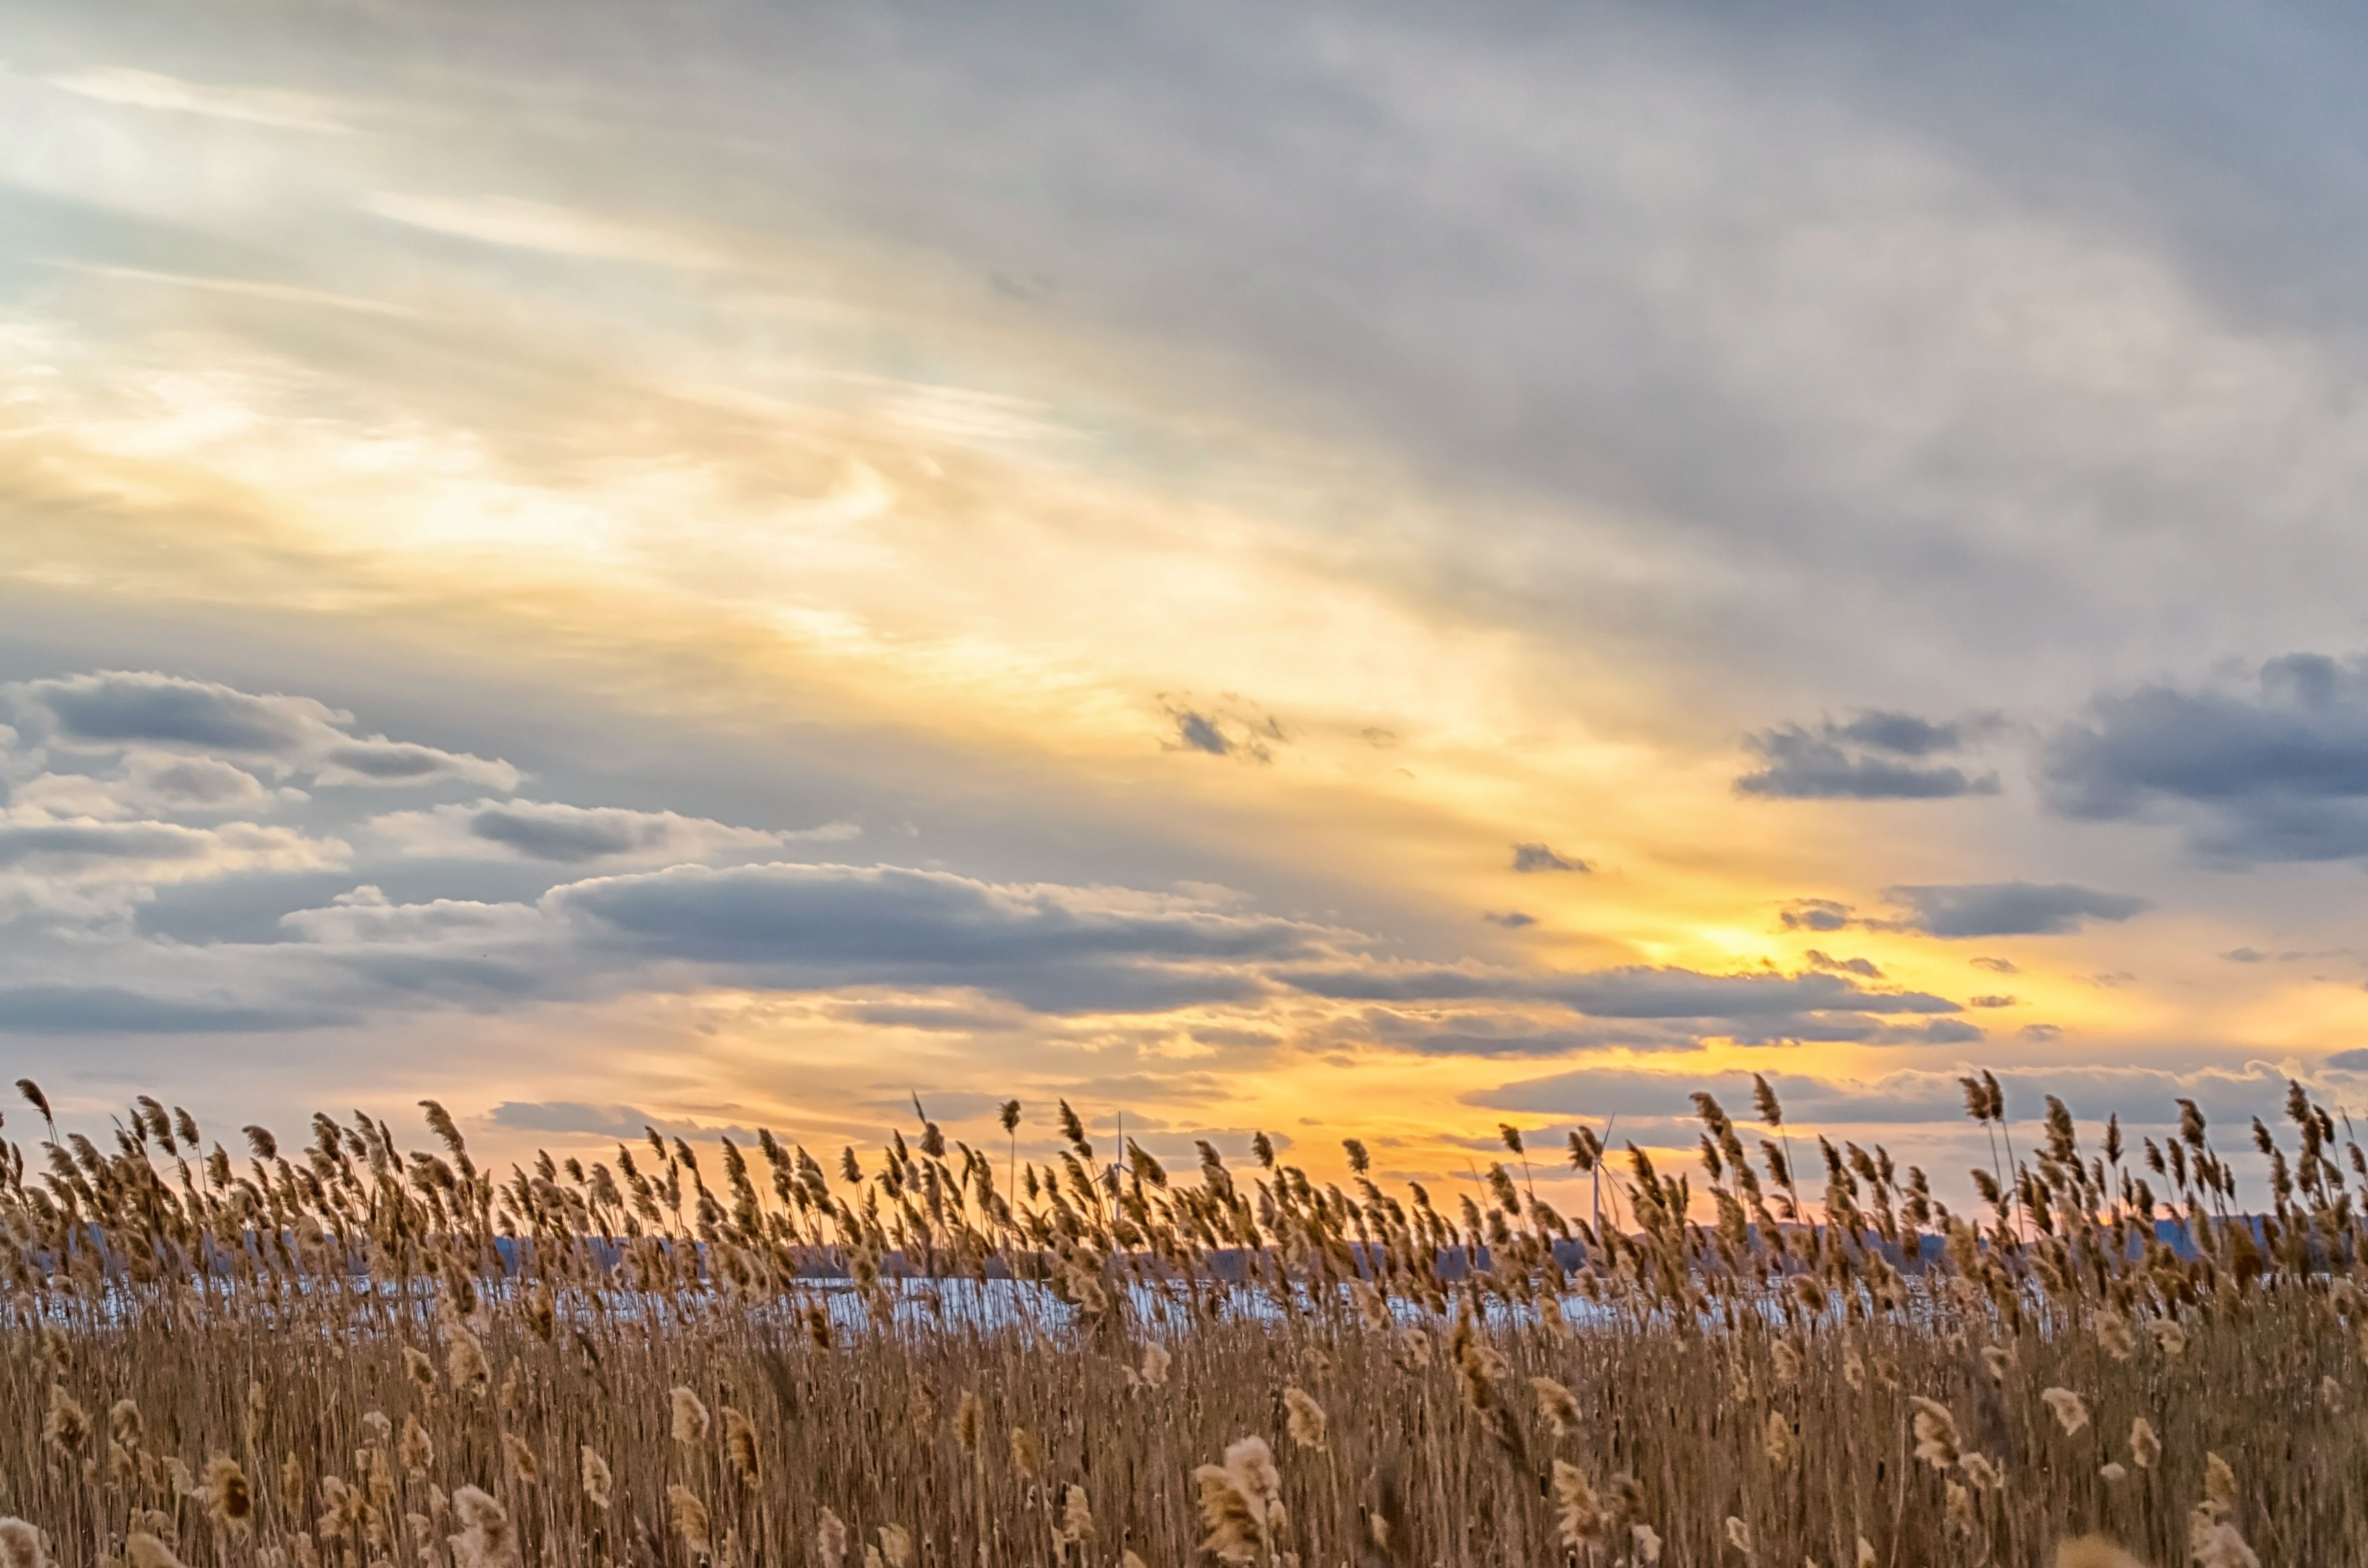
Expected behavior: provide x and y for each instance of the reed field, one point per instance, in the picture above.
(933, 1355)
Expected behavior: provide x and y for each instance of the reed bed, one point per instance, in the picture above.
(353, 1354)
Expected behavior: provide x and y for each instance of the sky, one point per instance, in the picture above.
(1357, 570)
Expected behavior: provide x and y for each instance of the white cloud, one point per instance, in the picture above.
(537, 226)
(276, 108)
(367, 915)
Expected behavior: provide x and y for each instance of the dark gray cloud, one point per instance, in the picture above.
(1864, 968)
(2007, 909)
(556, 833)
(1200, 734)
(57, 845)
(2278, 772)
(1996, 965)
(120, 706)
(1512, 919)
(146, 710)
(539, 836)
(112, 1009)
(1054, 947)
(1636, 1008)
(2352, 1060)
(1875, 757)
(1817, 914)
(1230, 726)
(1530, 859)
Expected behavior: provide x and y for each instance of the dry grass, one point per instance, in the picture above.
(350, 1354)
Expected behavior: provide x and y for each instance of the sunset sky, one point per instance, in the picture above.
(1359, 569)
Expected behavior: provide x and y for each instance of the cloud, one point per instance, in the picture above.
(573, 836)
(367, 915)
(1229, 727)
(1512, 919)
(1994, 1000)
(278, 108)
(2352, 1060)
(1864, 968)
(1637, 1007)
(1817, 914)
(1995, 965)
(2245, 955)
(1054, 947)
(2278, 772)
(621, 1123)
(2007, 909)
(157, 851)
(112, 1009)
(1200, 734)
(1528, 859)
(1962, 910)
(1871, 757)
(138, 710)
(515, 224)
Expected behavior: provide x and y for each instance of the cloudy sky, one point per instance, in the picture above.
(1351, 569)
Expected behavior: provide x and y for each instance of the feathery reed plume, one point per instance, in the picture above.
(968, 1418)
(67, 1425)
(1578, 1517)
(2094, 1552)
(690, 1420)
(1557, 1404)
(1738, 1535)
(523, 1464)
(740, 1446)
(1024, 1458)
(1152, 1371)
(20, 1544)
(230, 1500)
(1306, 1421)
(2145, 1446)
(599, 1486)
(146, 1551)
(464, 1360)
(1074, 1524)
(1959, 1509)
(1779, 1441)
(2112, 1471)
(2071, 1412)
(487, 1539)
(1936, 1433)
(690, 1521)
(1234, 1522)
(2219, 1483)
(830, 1541)
(422, 1369)
(896, 1546)
(2116, 1335)
(418, 1451)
